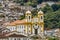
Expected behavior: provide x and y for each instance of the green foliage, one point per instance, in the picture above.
(34, 12)
(40, 1)
(32, 3)
(51, 17)
(22, 17)
(55, 7)
(34, 37)
(19, 1)
(53, 38)
(1, 6)
(2, 16)
(47, 8)
(28, 4)
(52, 20)
(22, 2)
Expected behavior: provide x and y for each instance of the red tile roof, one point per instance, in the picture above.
(17, 22)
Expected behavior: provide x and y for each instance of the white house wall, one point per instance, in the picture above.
(12, 28)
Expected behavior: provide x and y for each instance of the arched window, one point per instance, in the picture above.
(41, 17)
(29, 17)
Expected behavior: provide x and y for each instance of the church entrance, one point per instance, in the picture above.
(36, 31)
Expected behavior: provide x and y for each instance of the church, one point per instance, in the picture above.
(27, 27)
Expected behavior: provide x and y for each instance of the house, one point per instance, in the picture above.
(12, 36)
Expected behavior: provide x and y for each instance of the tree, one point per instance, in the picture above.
(55, 7)
(19, 1)
(47, 8)
(22, 17)
(40, 1)
(34, 12)
(56, 0)
(53, 38)
(52, 19)
(34, 3)
(25, 1)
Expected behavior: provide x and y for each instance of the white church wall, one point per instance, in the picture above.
(21, 28)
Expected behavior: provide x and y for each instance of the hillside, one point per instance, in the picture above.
(11, 10)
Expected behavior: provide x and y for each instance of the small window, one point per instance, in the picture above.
(22, 26)
(41, 17)
(10, 28)
(29, 17)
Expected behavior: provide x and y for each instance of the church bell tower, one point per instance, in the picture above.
(28, 16)
(41, 20)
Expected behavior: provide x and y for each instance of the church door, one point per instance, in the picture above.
(36, 27)
(36, 31)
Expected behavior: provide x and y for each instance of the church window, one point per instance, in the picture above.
(11, 28)
(36, 31)
(22, 26)
(41, 17)
(29, 17)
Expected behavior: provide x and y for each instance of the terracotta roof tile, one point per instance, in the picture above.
(17, 22)
(12, 24)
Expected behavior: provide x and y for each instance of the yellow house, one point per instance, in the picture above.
(29, 25)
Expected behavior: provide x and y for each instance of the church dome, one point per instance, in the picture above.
(28, 12)
(40, 12)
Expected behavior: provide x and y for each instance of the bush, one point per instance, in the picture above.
(28, 4)
(22, 17)
(34, 5)
(54, 38)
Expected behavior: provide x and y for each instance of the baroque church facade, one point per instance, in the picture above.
(27, 27)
